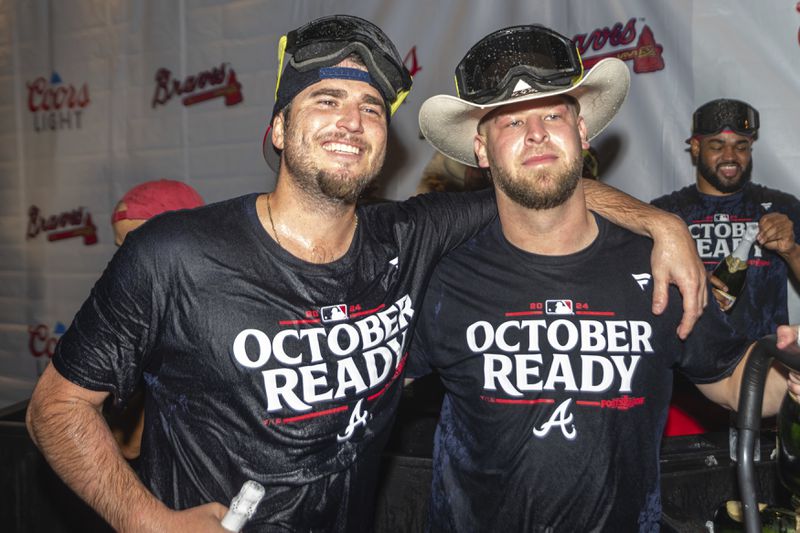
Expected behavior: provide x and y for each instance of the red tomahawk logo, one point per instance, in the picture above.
(88, 231)
(646, 55)
(232, 91)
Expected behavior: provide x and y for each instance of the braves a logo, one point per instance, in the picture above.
(562, 418)
(357, 418)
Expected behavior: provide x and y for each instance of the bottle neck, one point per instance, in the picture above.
(742, 251)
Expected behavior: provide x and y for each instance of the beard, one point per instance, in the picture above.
(341, 186)
(710, 175)
(522, 187)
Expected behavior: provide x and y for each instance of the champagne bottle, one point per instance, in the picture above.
(733, 269)
(243, 506)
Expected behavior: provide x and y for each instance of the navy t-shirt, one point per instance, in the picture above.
(557, 379)
(717, 224)
(258, 365)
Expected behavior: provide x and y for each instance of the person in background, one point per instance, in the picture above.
(591, 165)
(148, 199)
(718, 208)
(137, 206)
(272, 329)
(557, 374)
(442, 174)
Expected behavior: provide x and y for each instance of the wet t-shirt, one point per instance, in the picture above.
(258, 365)
(717, 224)
(557, 379)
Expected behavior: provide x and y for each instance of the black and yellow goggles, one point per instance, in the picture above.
(544, 59)
(326, 41)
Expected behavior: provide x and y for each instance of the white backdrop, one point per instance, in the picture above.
(99, 95)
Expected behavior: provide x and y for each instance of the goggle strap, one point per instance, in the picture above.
(339, 55)
(579, 77)
(281, 54)
(401, 96)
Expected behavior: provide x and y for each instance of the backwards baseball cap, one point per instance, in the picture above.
(724, 114)
(310, 54)
(518, 64)
(152, 198)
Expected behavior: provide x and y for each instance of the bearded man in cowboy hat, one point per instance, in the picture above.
(557, 374)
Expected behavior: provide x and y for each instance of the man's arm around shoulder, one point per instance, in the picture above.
(65, 422)
(674, 258)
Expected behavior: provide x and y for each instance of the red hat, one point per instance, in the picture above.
(152, 198)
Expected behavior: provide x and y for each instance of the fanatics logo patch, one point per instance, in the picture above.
(642, 279)
(333, 313)
(558, 307)
(766, 205)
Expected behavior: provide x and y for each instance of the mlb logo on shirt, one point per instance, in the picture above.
(721, 217)
(334, 313)
(558, 307)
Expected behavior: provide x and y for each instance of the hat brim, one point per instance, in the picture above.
(268, 150)
(450, 124)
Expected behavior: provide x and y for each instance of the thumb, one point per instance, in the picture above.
(216, 509)
(660, 295)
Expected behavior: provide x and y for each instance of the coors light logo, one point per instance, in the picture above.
(56, 105)
(645, 53)
(42, 341)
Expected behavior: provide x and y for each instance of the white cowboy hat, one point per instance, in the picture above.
(450, 123)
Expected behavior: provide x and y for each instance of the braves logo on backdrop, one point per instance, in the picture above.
(217, 82)
(411, 63)
(344, 358)
(588, 360)
(717, 235)
(65, 225)
(797, 8)
(645, 53)
(56, 105)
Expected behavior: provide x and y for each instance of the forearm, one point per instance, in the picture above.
(626, 211)
(77, 443)
(674, 258)
(726, 392)
(774, 389)
(779, 378)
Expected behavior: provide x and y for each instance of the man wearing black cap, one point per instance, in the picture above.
(271, 330)
(557, 374)
(724, 202)
(718, 209)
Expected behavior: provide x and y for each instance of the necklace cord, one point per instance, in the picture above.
(275, 232)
